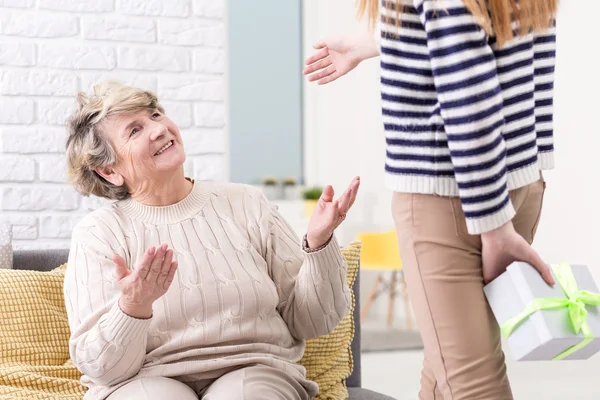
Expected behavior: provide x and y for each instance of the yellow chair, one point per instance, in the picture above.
(380, 253)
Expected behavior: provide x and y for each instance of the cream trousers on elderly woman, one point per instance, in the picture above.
(250, 383)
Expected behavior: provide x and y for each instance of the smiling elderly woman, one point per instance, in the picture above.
(183, 289)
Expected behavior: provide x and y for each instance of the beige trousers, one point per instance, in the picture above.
(442, 263)
(250, 383)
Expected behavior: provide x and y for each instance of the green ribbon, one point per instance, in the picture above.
(575, 302)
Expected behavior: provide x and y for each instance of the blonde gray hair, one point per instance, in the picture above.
(88, 148)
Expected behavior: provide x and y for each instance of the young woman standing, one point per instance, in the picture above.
(467, 93)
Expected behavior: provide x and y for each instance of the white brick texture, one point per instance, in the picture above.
(167, 59)
(190, 88)
(180, 113)
(58, 226)
(17, 54)
(208, 60)
(53, 111)
(45, 83)
(53, 49)
(16, 168)
(209, 167)
(77, 5)
(210, 114)
(15, 110)
(209, 9)
(119, 29)
(25, 24)
(203, 141)
(17, 3)
(39, 198)
(23, 226)
(172, 8)
(147, 81)
(191, 33)
(72, 57)
(52, 168)
(32, 140)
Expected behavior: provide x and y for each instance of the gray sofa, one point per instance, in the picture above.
(49, 259)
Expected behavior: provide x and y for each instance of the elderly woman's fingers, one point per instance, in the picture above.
(156, 264)
(354, 185)
(144, 267)
(121, 270)
(170, 275)
(164, 270)
(328, 193)
(349, 196)
(345, 201)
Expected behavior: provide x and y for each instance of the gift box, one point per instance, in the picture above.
(543, 322)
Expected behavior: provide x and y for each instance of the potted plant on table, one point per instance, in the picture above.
(311, 197)
(270, 188)
(290, 189)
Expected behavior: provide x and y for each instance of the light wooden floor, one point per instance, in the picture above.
(397, 374)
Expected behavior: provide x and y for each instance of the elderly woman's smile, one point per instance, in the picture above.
(164, 148)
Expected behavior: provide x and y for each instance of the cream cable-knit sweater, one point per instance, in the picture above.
(244, 293)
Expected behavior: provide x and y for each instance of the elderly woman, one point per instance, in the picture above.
(184, 289)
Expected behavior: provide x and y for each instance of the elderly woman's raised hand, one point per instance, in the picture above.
(329, 214)
(147, 283)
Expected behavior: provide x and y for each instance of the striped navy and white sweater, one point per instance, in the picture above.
(463, 117)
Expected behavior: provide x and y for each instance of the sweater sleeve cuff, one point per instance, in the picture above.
(122, 328)
(328, 255)
(477, 226)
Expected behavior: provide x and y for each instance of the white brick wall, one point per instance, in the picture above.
(52, 49)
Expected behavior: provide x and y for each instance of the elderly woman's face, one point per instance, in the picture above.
(147, 143)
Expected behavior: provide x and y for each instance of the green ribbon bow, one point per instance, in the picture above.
(575, 302)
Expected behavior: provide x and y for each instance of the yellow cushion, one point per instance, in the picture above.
(328, 359)
(34, 337)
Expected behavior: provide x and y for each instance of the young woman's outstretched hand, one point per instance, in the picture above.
(336, 56)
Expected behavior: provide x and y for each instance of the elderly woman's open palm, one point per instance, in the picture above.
(147, 283)
(329, 214)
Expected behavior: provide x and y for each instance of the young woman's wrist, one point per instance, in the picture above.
(366, 48)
